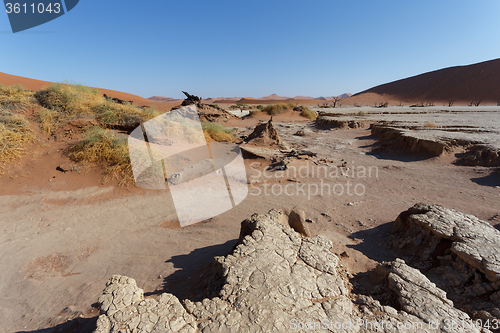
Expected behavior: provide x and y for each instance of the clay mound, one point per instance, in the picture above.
(335, 122)
(279, 281)
(477, 82)
(264, 135)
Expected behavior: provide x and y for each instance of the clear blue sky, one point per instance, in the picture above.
(251, 48)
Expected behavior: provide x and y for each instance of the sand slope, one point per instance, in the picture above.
(459, 83)
(33, 84)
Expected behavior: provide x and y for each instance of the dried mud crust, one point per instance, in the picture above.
(416, 141)
(277, 280)
(459, 253)
(324, 121)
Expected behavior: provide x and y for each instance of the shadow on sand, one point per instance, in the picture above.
(77, 325)
(370, 241)
(199, 275)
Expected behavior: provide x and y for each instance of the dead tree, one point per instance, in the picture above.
(335, 101)
(476, 102)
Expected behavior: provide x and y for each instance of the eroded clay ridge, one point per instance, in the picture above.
(428, 132)
(422, 141)
(459, 252)
(277, 280)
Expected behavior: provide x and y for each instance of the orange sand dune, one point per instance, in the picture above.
(33, 84)
(276, 101)
(479, 81)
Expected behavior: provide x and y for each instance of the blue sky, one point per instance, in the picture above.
(251, 48)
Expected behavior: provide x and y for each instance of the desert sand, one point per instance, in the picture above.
(64, 234)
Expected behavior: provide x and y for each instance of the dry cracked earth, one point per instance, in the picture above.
(60, 249)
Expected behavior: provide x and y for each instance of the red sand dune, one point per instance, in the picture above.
(35, 85)
(479, 81)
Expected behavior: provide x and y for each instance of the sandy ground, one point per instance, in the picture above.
(63, 237)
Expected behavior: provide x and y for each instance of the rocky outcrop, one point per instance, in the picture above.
(206, 112)
(459, 252)
(117, 100)
(277, 280)
(273, 278)
(424, 306)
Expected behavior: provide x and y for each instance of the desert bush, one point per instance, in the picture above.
(383, 105)
(239, 106)
(306, 112)
(69, 99)
(49, 120)
(61, 102)
(310, 114)
(254, 113)
(430, 125)
(260, 107)
(14, 134)
(361, 113)
(450, 103)
(275, 109)
(217, 132)
(15, 96)
(101, 146)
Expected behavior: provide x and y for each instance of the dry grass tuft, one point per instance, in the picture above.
(275, 109)
(15, 96)
(14, 134)
(306, 112)
(254, 113)
(430, 125)
(65, 101)
(101, 146)
(217, 132)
